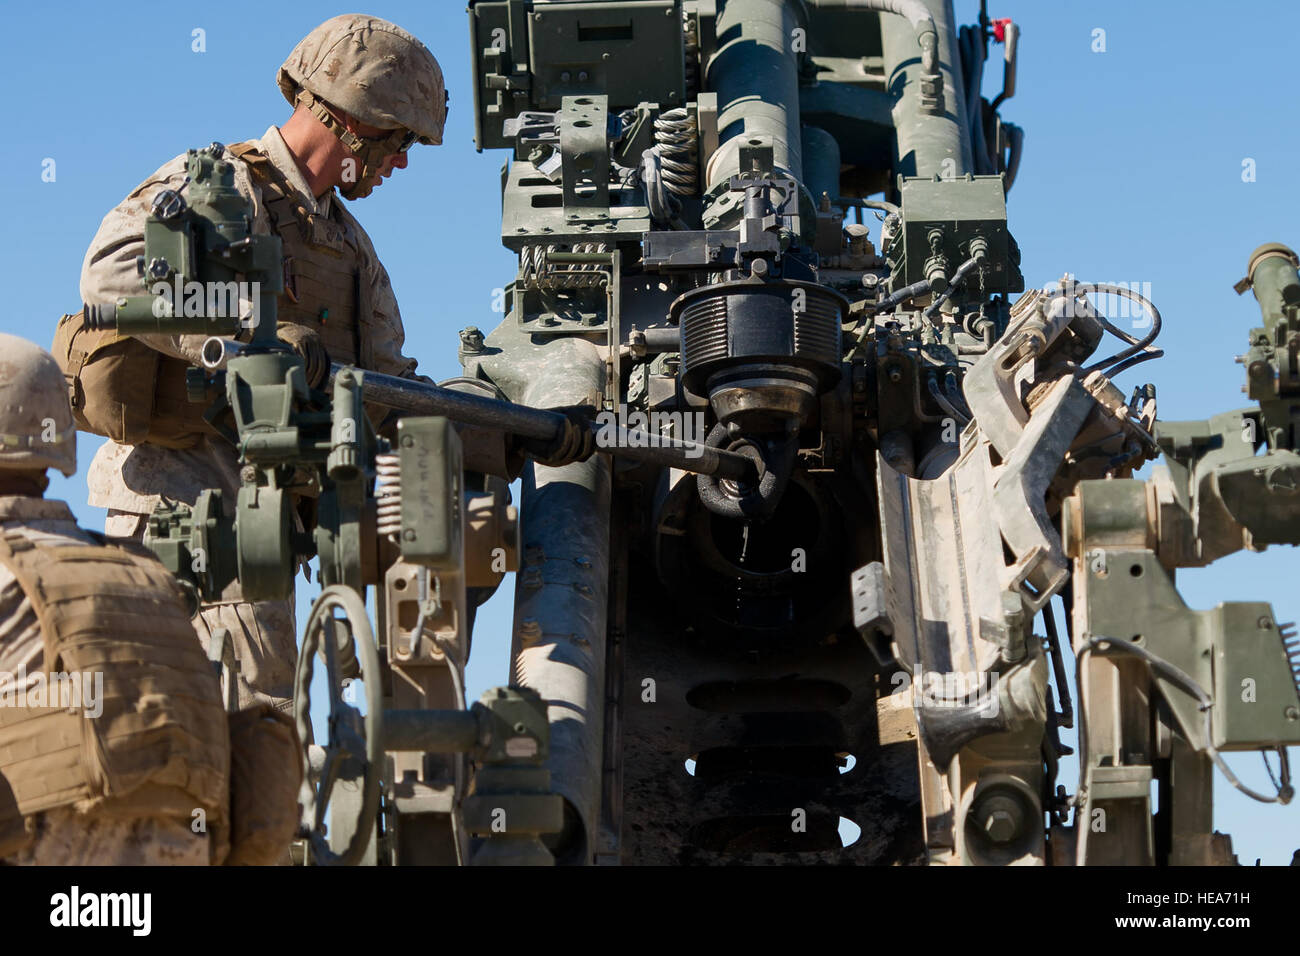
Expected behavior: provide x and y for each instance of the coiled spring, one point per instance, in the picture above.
(532, 264)
(537, 271)
(388, 490)
(677, 138)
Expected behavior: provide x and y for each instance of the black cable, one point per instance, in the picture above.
(1058, 667)
(1186, 683)
(957, 279)
(902, 295)
(1116, 363)
(1135, 360)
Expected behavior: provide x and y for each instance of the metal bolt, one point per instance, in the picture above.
(409, 534)
(1000, 818)
(1292, 713)
(1265, 623)
(582, 76)
(1000, 826)
(564, 77)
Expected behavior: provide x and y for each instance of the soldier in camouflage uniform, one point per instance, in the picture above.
(113, 740)
(363, 91)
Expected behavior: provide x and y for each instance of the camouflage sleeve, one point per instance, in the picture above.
(109, 269)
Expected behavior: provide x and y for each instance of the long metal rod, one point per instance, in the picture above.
(422, 398)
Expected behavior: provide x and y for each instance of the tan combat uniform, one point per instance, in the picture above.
(121, 787)
(334, 283)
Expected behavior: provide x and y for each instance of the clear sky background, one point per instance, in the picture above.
(1133, 172)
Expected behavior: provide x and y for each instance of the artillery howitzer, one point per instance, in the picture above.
(690, 192)
(903, 471)
(396, 514)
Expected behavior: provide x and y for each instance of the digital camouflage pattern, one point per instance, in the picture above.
(37, 430)
(374, 70)
(169, 751)
(131, 480)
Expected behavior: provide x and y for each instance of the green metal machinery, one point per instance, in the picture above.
(781, 225)
(851, 476)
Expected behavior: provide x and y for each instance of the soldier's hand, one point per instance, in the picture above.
(576, 441)
(307, 345)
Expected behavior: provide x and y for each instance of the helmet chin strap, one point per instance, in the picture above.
(363, 187)
(369, 152)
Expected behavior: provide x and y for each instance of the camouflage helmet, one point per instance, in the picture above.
(36, 428)
(372, 69)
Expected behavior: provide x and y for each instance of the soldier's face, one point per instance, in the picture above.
(391, 162)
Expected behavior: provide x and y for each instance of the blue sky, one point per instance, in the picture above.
(1132, 173)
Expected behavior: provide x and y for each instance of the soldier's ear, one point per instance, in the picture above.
(353, 125)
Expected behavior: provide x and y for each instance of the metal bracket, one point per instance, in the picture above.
(584, 148)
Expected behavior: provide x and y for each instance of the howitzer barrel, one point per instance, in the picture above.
(422, 398)
(929, 143)
(756, 76)
(1273, 277)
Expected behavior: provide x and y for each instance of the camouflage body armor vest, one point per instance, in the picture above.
(323, 285)
(124, 390)
(160, 746)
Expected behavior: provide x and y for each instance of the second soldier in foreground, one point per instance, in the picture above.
(114, 748)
